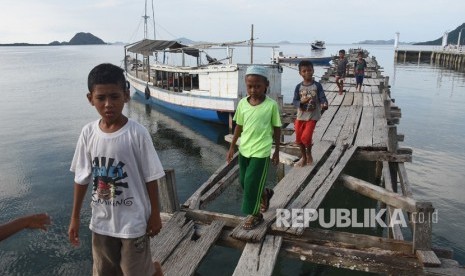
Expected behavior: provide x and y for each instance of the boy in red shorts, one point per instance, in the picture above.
(310, 99)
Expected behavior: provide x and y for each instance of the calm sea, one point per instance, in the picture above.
(44, 107)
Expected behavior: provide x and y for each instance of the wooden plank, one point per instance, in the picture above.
(349, 98)
(378, 193)
(190, 252)
(385, 262)
(404, 182)
(285, 190)
(193, 202)
(358, 99)
(380, 132)
(428, 258)
(367, 99)
(336, 125)
(378, 100)
(349, 129)
(170, 236)
(338, 99)
(396, 232)
(259, 258)
(365, 130)
(323, 123)
(219, 187)
(383, 155)
(312, 196)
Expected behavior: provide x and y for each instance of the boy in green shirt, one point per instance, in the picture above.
(258, 123)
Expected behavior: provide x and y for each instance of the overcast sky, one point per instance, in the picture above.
(335, 21)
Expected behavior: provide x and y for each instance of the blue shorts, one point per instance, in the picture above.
(359, 79)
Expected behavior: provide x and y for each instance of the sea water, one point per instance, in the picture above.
(43, 107)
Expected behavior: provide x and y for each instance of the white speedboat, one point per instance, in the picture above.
(318, 45)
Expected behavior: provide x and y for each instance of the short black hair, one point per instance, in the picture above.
(305, 63)
(342, 51)
(106, 73)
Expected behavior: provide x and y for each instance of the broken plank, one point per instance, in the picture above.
(259, 258)
(365, 129)
(190, 252)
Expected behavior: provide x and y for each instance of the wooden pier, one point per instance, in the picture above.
(450, 59)
(356, 126)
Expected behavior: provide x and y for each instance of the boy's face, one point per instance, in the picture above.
(109, 100)
(256, 86)
(306, 72)
(341, 55)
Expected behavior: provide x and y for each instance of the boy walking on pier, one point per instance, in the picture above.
(341, 70)
(258, 123)
(117, 156)
(310, 99)
(359, 71)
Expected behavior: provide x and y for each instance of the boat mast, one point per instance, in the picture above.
(145, 20)
(251, 45)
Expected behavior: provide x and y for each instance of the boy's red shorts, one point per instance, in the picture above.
(304, 132)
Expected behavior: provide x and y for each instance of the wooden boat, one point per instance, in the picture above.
(280, 58)
(318, 45)
(197, 84)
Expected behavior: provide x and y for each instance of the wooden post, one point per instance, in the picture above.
(422, 226)
(169, 201)
(392, 139)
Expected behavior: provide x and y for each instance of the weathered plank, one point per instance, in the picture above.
(378, 193)
(349, 129)
(402, 155)
(404, 182)
(388, 184)
(386, 262)
(349, 98)
(193, 202)
(428, 258)
(220, 186)
(358, 99)
(170, 236)
(258, 259)
(365, 129)
(337, 123)
(285, 190)
(187, 256)
(380, 132)
(378, 100)
(323, 123)
(367, 99)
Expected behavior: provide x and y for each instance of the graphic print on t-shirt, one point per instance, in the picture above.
(308, 92)
(107, 178)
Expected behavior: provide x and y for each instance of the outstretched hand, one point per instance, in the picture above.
(38, 221)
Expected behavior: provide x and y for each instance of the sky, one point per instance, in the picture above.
(334, 21)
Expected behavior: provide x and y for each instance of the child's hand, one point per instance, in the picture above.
(154, 224)
(230, 155)
(324, 106)
(38, 221)
(73, 231)
(275, 158)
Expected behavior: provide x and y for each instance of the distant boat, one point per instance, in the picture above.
(318, 45)
(187, 80)
(280, 58)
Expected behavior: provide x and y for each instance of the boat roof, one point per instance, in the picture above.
(148, 46)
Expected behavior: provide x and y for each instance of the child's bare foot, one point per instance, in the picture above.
(158, 272)
(302, 162)
(309, 159)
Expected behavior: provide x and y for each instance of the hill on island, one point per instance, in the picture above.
(452, 38)
(78, 39)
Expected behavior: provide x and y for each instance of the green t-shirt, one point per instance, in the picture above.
(257, 126)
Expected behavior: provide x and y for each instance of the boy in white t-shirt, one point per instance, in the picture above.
(116, 155)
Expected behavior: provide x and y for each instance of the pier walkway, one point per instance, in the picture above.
(356, 126)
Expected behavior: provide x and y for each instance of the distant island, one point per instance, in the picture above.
(452, 38)
(78, 39)
(382, 42)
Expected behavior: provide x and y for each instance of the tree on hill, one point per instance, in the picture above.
(452, 37)
(85, 39)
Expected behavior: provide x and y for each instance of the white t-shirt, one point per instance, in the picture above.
(117, 165)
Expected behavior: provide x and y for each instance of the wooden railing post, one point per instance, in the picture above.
(422, 221)
(169, 201)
